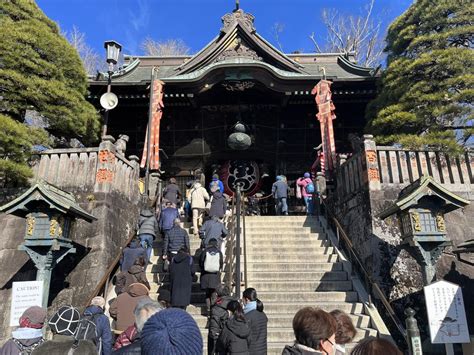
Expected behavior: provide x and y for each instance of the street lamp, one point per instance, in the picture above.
(109, 100)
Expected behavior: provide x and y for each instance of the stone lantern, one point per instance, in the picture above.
(420, 209)
(49, 213)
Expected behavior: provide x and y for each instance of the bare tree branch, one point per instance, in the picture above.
(169, 47)
(353, 34)
(278, 28)
(90, 58)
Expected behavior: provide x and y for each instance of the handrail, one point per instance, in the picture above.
(245, 242)
(104, 281)
(371, 285)
(230, 246)
(238, 200)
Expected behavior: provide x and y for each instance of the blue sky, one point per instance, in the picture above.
(196, 22)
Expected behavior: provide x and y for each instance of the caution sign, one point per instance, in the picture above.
(24, 295)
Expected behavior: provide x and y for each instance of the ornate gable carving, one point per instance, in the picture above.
(238, 50)
(243, 18)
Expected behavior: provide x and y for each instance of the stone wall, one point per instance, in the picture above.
(105, 184)
(371, 180)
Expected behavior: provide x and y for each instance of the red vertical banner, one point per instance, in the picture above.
(325, 115)
(156, 112)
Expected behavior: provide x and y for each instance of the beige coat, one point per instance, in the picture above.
(198, 196)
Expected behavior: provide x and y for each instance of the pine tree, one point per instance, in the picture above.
(39, 71)
(426, 95)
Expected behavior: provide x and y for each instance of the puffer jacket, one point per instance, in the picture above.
(122, 308)
(167, 217)
(302, 182)
(258, 337)
(235, 338)
(61, 344)
(147, 223)
(175, 239)
(198, 196)
(219, 316)
(102, 327)
(213, 228)
(298, 349)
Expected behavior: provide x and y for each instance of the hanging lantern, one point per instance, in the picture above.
(239, 140)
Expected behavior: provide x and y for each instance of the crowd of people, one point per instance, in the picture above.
(142, 325)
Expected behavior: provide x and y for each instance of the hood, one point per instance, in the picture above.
(217, 195)
(134, 244)
(197, 185)
(93, 310)
(135, 269)
(180, 257)
(27, 335)
(299, 350)
(223, 301)
(239, 327)
(137, 289)
(146, 213)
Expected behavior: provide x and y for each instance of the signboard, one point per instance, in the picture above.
(446, 314)
(24, 295)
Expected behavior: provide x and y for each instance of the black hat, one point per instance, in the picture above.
(65, 321)
(164, 295)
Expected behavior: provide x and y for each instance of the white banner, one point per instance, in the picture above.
(24, 295)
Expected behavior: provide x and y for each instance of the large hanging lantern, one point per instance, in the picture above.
(239, 140)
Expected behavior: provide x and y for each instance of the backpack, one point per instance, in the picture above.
(27, 350)
(212, 261)
(309, 188)
(87, 330)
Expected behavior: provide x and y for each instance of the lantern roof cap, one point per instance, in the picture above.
(57, 199)
(424, 186)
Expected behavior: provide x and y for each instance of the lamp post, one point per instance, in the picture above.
(109, 100)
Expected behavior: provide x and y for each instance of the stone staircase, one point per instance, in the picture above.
(291, 264)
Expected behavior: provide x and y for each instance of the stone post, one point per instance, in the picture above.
(106, 165)
(320, 189)
(413, 333)
(371, 174)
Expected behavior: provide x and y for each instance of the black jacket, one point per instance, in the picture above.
(258, 336)
(212, 229)
(219, 316)
(295, 350)
(172, 193)
(175, 239)
(218, 205)
(234, 339)
(181, 279)
(208, 279)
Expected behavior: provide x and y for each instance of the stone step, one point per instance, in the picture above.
(277, 236)
(276, 320)
(294, 249)
(302, 275)
(304, 286)
(292, 258)
(257, 223)
(300, 219)
(308, 296)
(286, 242)
(280, 229)
(293, 266)
(290, 308)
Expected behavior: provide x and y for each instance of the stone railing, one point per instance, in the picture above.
(377, 166)
(98, 169)
(402, 166)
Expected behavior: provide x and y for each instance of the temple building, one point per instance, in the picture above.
(238, 107)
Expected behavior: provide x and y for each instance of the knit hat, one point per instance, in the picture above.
(164, 295)
(98, 301)
(65, 321)
(171, 332)
(306, 175)
(33, 317)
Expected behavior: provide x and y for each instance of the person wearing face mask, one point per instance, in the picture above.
(253, 310)
(345, 330)
(315, 333)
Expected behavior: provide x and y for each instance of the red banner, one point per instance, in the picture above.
(325, 115)
(156, 112)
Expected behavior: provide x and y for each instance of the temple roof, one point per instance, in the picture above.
(238, 45)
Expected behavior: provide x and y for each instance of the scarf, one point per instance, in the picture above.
(27, 333)
(251, 306)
